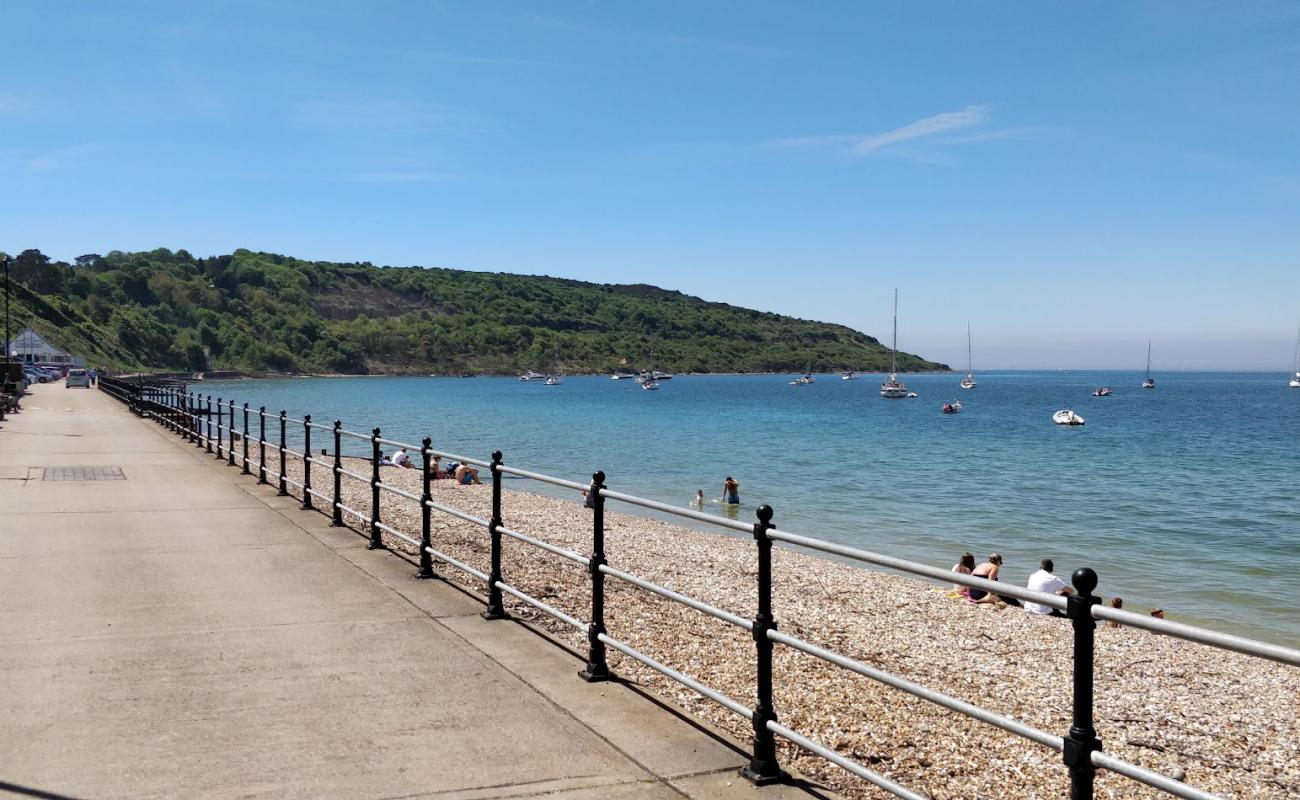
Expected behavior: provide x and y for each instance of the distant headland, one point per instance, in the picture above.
(266, 313)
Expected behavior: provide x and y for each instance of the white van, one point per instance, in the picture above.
(78, 377)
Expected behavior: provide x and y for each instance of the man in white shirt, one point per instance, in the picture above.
(403, 460)
(1044, 581)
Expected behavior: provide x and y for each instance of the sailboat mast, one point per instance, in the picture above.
(1148, 358)
(893, 350)
(969, 368)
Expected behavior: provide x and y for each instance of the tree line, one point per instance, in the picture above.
(264, 312)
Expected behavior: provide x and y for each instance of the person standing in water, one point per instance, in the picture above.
(731, 491)
(698, 500)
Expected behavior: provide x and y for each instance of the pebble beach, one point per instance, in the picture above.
(1222, 721)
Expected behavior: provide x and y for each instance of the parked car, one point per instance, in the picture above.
(34, 375)
(77, 377)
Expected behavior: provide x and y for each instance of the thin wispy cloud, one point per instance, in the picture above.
(859, 144)
(390, 114)
(400, 176)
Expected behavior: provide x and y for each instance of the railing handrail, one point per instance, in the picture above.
(1082, 608)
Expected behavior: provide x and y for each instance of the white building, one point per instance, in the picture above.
(32, 348)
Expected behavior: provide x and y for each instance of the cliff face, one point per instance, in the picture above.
(261, 311)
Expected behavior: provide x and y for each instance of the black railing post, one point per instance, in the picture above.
(194, 403)
(261, 445)
(337, 519)
(376, 538)
(597, 667)
(426, 540)
(306, 462)
(1082, 741)
(230, 447)
(207, 422)
(763, 768)
(495, 607)
(246, 470)
(284, 487)
(220, 437)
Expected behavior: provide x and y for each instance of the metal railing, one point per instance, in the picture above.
(190, 415)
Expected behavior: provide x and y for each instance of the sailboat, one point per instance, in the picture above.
(556, 378)
(893, 388)
(968, 382)
(1295, 364)
(1150, 382)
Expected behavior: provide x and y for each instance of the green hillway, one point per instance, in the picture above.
(262, 312)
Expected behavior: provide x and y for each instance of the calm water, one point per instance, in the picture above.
(1182, 497)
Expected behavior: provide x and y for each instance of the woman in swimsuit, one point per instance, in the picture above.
(964, 567)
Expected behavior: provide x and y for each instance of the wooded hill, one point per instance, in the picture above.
(265, 312)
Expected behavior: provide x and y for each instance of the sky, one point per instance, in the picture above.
(1072, 179)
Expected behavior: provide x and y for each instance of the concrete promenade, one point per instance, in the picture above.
(184, 632)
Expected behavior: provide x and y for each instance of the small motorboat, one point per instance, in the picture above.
(650, 386)
(1067, 417)
(531, 376)
(554, 380)
(952, 408)
(621, 376)
(661, 376)
(1102, 392)
(803, 380)
(848, 375)
(910, 395)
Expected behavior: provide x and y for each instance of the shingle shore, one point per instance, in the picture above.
(1224, 720)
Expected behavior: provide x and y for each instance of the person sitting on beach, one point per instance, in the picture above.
(989, 571)
(731, 491)
(964, 567)
(465, 475)
(384, 461)
(435, 467)
(1045, 581)
(403, 460)
(1116, 603)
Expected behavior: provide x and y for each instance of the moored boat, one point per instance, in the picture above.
(893, 388)
(1067, 417)
(1104, 391)
(1149, 382)
(968, 382)
(952, 408)
(532, 376)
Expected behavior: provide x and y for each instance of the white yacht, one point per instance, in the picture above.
(1067, 417)
(554, 380)
(848, 375)
(968, 382)
(532, 376)
(893, 388)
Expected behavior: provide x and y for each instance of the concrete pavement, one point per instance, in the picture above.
(186, 632)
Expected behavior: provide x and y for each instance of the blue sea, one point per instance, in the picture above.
(1182, 497)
